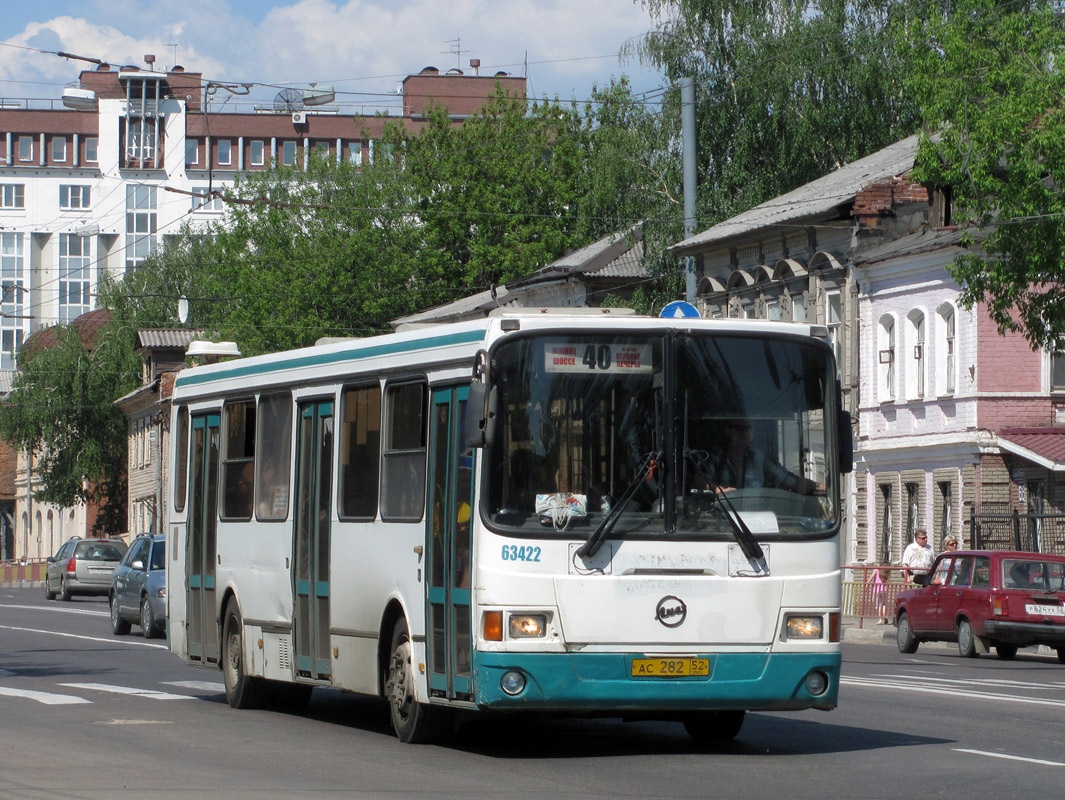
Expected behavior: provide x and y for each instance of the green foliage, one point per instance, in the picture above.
(61, 409)
(989, 76)
(786, 90)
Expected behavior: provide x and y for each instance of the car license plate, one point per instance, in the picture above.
(97, 571)
(670, 667)
(1045, 611)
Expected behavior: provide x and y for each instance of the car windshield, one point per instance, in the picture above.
(585, 423)
(100, 551)
(1035, 574)
(158, 556)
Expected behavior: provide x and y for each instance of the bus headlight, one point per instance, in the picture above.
(805, 627)
(817, 683)
(512, 682)
(528, 626)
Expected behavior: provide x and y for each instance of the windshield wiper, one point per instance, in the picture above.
(606, 525)
(744, 538)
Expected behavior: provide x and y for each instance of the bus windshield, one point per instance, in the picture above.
(670, 434)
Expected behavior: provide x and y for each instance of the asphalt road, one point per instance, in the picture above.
(85, 714)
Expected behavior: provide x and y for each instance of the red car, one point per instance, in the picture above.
(986, 598)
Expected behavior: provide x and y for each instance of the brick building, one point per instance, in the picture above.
(953, 421)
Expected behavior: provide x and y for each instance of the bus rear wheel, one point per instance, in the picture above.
(242, 690)
(714, 727)
(413, 722)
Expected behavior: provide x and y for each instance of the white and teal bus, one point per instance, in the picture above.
(520, 513)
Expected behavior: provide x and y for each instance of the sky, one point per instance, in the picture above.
(363, 48)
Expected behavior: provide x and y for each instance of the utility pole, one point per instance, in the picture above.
(687, 128)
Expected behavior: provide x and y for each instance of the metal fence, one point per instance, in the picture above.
(1035, 533)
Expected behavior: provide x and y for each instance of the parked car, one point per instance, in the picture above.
(983, 599)
(82, 566)
(138, 587)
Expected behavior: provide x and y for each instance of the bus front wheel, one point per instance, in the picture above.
(413, 722)
(714, 727)
(242, 690)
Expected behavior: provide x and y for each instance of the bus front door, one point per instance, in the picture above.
(202, 627)
(448, 567)
(314, 465)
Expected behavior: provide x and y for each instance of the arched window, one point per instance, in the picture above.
(946, 368)
(915, 355)
(886, 359)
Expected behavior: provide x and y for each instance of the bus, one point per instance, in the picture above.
(523, 513)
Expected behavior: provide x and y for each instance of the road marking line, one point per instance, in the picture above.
(149, 693)
(206, 686)
(1010, 758)
(64, 609)
(47, 698)
(123, 641)
(975, 681)
(909, 687)
(134, 722)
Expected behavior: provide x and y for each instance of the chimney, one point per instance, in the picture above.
(149, 59)
(475, 65)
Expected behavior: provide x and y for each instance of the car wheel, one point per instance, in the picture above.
(413, 722)
(242, 690)
(1061, 655)
(907, 641)
(48, 593)
(64, 593)
(148, 624)
(966, 639)
(1006, 651)
(118, 625)
(714, 727)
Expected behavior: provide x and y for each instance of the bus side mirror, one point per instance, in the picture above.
(480, 415)
(846, 442)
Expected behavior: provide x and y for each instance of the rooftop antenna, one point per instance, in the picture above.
(288, 100)
(456, 50)
(173, 55)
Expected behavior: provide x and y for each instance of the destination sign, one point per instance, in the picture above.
(615, 359)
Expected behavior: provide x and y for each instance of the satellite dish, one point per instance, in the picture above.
(288, 100)
(183, 309)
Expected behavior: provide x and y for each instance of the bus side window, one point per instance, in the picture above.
(274, 450)
(360, 453)
(238, 459)
(406, 436)
(181, 462)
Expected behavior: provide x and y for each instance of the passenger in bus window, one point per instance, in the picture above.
(737, 465)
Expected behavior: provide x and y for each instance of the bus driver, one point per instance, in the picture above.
(739, 466)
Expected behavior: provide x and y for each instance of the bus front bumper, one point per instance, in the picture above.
(599, 682)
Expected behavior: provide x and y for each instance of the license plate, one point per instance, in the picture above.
(670, 667)
(1045, 611)
(95, 571)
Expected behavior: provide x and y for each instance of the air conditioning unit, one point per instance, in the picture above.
(299, 117)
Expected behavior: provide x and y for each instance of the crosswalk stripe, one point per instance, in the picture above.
(909, 686)
(48, 698)
(149, 693)
(203, 686)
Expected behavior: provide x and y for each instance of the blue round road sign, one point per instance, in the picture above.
(679, 308)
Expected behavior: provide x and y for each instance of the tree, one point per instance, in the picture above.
(989, 77)
(61, 410)
(786, 90)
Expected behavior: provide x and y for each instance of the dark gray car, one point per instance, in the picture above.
(82, 566)
(138, 588)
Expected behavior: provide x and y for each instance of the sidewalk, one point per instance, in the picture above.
(869, 633)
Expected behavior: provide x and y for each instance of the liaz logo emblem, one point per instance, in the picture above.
(671, 611)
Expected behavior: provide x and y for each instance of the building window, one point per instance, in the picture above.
(258, 153)
(140, 224)
(140, 144)
(74, 298)
(772, 309)
(75, 197)
(201, 201)
(288, 154)
(886, 359)
(915, 361)
(321, 149)
(887, 524)
(12, 297)
(25, 148)
(59, 148)
(1057, 376)
(225, 152)
(913, 510)
(355, 153)
(834, 322)
(945, 361)
(192, 152)
(12, 195)
(798, 307)
(91, 144)
(946, 513)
